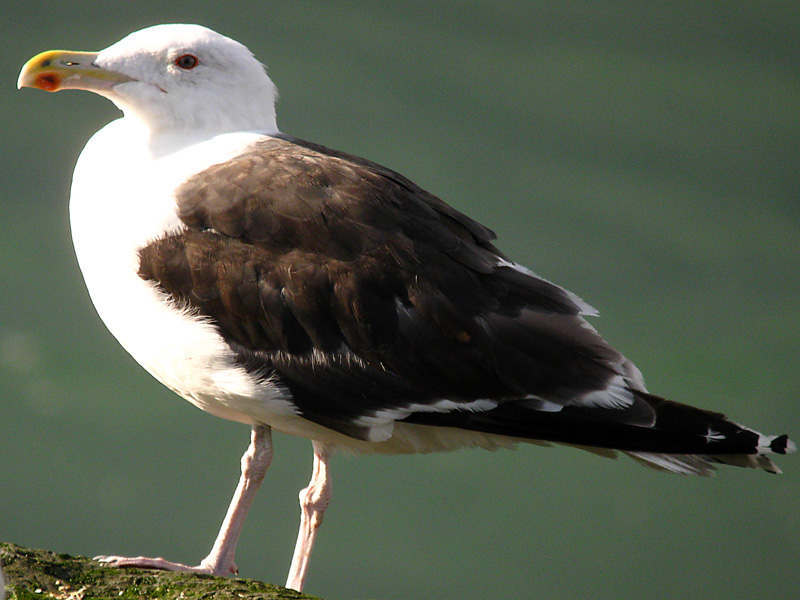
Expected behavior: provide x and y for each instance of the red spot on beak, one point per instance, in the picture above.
(49, 82)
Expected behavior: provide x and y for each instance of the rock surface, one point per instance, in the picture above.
(44, 575)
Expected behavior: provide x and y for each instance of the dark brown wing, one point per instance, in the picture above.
(367, 296)
(296, 252)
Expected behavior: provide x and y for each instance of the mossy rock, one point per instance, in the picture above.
(44, 575)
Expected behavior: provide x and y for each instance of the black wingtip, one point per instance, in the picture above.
(782, 445)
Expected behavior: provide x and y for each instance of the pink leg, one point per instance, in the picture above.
(255, 462)
(313, 501)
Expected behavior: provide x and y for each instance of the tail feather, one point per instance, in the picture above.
(702, 465)
(679, 438)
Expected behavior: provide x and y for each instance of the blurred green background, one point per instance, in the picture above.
(644, 155)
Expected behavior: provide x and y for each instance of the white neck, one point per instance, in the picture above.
(192, 118)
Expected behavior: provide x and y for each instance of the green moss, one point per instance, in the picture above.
(43, 575)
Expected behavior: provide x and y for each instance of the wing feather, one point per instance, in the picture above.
(373, 300)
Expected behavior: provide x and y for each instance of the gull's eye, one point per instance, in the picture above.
(186, 61)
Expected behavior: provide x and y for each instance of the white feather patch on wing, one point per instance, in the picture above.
(713, 435)
(615, 395)
(380, 418)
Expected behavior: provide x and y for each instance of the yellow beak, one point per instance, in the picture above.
(56, 70)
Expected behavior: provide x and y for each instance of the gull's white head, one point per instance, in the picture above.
(173, 78)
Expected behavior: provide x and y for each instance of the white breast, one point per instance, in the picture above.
(122, 199)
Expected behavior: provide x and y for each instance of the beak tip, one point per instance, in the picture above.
(56, 70)
(46, 81)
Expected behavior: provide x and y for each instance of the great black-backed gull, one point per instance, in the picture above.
(285, 285)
